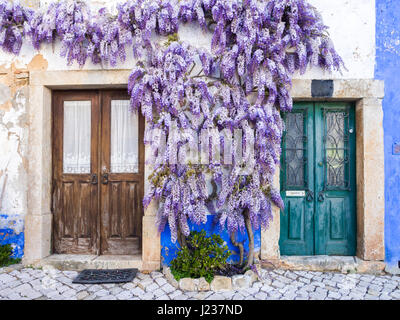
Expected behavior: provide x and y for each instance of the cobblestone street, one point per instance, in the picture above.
(27, 283)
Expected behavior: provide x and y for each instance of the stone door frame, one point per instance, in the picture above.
(38, 221)
(367, 95)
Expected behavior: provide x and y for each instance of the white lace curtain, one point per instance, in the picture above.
(77, 134)
(124, 138)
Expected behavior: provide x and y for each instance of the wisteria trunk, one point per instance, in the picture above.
(250, 234)
(240, 245)
(241, 248)
(181, 239)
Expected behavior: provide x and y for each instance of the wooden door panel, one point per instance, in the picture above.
(124, 199)
(121, 193)
(75, 196)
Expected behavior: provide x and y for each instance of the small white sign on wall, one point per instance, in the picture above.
(296, 193)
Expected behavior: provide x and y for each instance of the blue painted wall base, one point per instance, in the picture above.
(169, 249)
(9, 236)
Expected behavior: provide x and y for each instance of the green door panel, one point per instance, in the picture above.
(335, 210)
(297, 155)
(318, 158)
(297, 219)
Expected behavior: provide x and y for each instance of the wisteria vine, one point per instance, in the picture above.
(241, 82)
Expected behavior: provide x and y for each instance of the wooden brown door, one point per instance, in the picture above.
(122, 167)
(76, 136)
(98, 165)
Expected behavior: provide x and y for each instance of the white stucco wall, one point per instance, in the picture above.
(352, 28)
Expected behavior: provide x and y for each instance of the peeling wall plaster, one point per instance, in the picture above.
(13, 173)
(13, 142)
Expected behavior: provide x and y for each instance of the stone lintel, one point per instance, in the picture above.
(80, 79)
(344, 90)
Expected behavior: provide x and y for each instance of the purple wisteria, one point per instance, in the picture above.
(248, 32)
(14, 21)
(242, 82)
(100, 37)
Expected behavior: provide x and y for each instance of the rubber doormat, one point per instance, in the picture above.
(91, 276)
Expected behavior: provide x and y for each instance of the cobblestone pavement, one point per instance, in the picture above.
(27, 283)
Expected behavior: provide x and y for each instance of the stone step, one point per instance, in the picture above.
(323, 263)
(77, 262)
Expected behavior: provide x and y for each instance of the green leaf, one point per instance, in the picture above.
(206, 256)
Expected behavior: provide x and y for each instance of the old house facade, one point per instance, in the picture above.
(65, 198)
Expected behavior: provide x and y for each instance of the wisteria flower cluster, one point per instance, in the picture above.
(99, 37)
(14, 22)
(246, 31)
(184, 195)
(242, 82)
(178, 103)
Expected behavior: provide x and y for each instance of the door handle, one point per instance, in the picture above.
(310, 196)
(321, 197)
(105, 178)
(94, 179)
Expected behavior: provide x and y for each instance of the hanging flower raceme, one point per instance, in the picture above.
(172, 102)
(110, 39)
(67, 21)
(247, 194)
(14, 25)
(101, 37)
(182, 198)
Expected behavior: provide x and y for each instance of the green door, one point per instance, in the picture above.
(318, 180)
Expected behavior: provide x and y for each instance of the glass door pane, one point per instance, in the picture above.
(124, 138)
(76, 137)
(295, 149)
(336, 146)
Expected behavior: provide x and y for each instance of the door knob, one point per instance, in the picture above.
(94, 179)
(321, 197)
(321, 164)
(105, 178)
(310, 196)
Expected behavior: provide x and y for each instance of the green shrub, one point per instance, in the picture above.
(202, 257)
(5, 256)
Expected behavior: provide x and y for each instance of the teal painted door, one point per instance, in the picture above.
(318, 180)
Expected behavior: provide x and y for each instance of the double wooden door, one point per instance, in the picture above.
(98, 171)
(318, 180)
